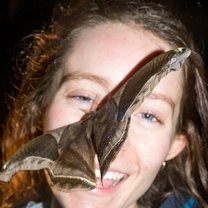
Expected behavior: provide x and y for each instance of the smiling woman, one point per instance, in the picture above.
(74, 66)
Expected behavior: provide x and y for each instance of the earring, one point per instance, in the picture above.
(163, 164)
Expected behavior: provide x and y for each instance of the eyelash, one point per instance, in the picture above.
(147, 117)
(81, 98)
(144, 115)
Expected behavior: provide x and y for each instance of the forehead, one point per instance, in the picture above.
(117, 48)
(115, 36)
(111, 51)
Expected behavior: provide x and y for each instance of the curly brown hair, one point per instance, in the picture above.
(39, 62)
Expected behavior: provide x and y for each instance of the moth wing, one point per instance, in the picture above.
(37, 154)
(114, 117)
(110, 142)
(75, 167)
(146, 78)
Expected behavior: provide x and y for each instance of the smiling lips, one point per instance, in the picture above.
(111, 179)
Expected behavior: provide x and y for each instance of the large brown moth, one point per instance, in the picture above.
(68, 153)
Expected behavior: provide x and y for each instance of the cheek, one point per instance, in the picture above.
(59, 115)
(153, 157)
(150, 147)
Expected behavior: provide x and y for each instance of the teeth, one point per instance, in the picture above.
(97, 173)
(111, 175)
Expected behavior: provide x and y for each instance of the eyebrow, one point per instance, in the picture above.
(86, 76)
(103, 82)
(163, 97)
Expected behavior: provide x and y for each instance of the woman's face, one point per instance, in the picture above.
(101, 59)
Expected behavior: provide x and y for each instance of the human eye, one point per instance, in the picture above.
(84, 100)
(150, 117)
(81, 98)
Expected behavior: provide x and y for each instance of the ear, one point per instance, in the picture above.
(177, 146)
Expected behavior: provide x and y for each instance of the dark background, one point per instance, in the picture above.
(19, 17)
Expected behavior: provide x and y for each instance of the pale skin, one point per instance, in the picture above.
(101, 59)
